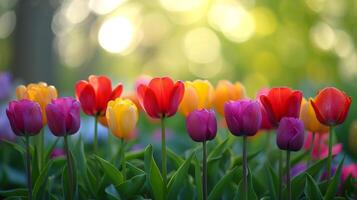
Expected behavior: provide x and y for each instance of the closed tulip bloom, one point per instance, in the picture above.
(266, 125)
(95, 94)
(122, 116)
(38, 92)
(201, 125)
(227, 91)
(198, 95)
(281, 102)
(161, 97)
(25, 117)
(63, 116)
(290, 134)
(331, 106)
(243, 117)
(308, 116)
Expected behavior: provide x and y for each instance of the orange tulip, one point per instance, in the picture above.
(226, 91)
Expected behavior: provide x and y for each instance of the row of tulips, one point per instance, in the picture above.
(282, 109)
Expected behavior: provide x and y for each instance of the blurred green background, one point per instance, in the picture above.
(305, 44)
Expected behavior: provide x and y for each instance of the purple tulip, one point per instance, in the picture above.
(5, 85)
(201, 125)
(25, 117)
(243, 117)
(290, 134)
(63, 116)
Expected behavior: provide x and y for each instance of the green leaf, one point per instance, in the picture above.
(177, 160)
(134, 155)
(272, 180)
(110, 170)
(298, 158)
(218, 150)
(218, 189)
(178, 178)
(153, 175)
(198, 177)
(14, 192)
(40, 183)
(312, 190)
(16, 146)
(50, 149)
(131, 187)
(299, 180)
(111, 192)
(333, 185)
(238, 161)
(251, 192)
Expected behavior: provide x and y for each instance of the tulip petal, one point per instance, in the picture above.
(56, 120)
(117, 91)
(319, 116)
(162, 88)
(251, 119)
(294, 104)
(15, 122)
(151, 105)
(79, 87)
(175, 98)
(344, 114)
(88, 100)
(102, 86)
(73, 121)
(211, 125)
(269, 110)
(196, 126)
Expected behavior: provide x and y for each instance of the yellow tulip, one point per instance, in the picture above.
(226, 91)
(122, 116)
(308, 116)
(198, 95)
(40, 93)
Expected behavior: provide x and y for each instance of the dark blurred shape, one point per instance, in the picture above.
(5, 85)
(33, 51)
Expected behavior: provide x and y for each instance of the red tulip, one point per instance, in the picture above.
(161, 97)
(331, 106)
(266, 125)
(281, 102)
(95, 93)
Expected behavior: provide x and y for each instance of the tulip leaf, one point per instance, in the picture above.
(299, 180)
(312, 190)
(131, 187)
(15, 146)
(298, 158)
(110, 170)
(218, 150)
(218, 189)
(153, 175)
(35, 165)
(272, 180)
(111, 192)
(65, 180)
(178, 178)
(50, 149)
(333, 183)
(14, 192)
(134, 155)
(251, 193)
(177, 160)
(198, 177)
(238, 161)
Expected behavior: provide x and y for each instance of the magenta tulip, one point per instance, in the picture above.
(63, 116)
(243, 117)
(25, 117)
(290, 134)
(201, 125)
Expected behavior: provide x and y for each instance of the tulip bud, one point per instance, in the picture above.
(308, 116)
(226, 91)
(290, 134)
(198, 95)
(25, 117)
(40, 93)
(243, 117)
(63, 115)
(122, 116)
(201, 125)
(331, 106)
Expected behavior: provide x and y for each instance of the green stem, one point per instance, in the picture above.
(163, 156)
(123, 165)
(329, 160)
(288, 173)
(95, 142)
(70, 168)
(245, 165)
(280, 188)
(41, 148)
(28, 167)
(311, 149)
(109, 144)
(204, 178)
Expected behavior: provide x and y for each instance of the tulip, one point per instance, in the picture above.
(40, 93)
(63, 116)
(226, 91)
(266, 125)
(331, 107)
(281, 102)
(243, 118)
(160, 98)
(94, 96)
(290, 137)
(201, 126)
(25, 118)
(198, 95)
